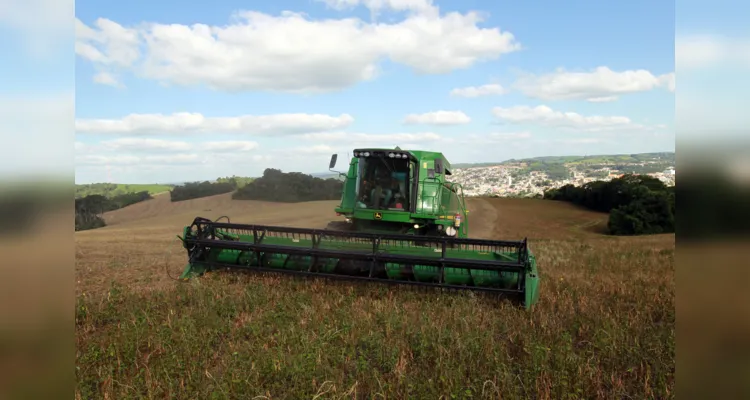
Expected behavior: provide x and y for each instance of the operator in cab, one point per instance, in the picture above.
(382, 183)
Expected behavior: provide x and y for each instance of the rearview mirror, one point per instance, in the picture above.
(439, 166)
(333, 161)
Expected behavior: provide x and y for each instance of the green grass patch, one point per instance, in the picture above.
(604, 328)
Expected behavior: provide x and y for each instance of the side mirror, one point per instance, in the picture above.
(333, 161)
(439, 166)
(431, 173)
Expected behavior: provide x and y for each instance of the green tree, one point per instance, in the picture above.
(638, 204)
(195, 190)
(651, 213)
(275, 185)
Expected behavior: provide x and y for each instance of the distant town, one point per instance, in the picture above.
(531, 177)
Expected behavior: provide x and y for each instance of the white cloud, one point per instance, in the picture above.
(140, 154)
(668, 81)
(438, 118)
(148, 145)
(386, 140)
(103, 160)
(546, 116)
(228, 146)
(106, 78)
(605, 99)
(140, 161)
(377, 5)
(184, 123)
(703, 51)
(599, 85)
(110, 45)
(291, 52)
(145, 144)
(477, 91)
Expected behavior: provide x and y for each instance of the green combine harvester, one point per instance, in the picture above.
(403, 222)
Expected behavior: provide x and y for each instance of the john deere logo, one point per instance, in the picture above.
(378, 215)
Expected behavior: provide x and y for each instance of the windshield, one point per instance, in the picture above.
(383, 184)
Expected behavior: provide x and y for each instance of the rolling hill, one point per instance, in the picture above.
(114, 189)
(665, 157)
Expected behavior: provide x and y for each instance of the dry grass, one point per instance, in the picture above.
(604, 327)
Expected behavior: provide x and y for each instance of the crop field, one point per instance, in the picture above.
(604, 326)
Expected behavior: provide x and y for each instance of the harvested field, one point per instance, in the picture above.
(604, 326)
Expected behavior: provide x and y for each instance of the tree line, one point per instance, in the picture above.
(237, 181)
(89, 209)
(290, 187)
(637, 204)
(196, 190)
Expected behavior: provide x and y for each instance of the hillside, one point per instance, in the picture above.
(666, 157)
(114, 189)
(163, 213)
(662, 157)
(601, 327)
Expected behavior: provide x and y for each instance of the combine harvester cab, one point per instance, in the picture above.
(403, 223)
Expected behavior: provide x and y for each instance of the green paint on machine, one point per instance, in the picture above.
(403, 222)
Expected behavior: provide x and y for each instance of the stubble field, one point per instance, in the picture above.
(604, 326)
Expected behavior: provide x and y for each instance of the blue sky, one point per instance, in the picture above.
(165, 92)
(342, 85)
(563, 37)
